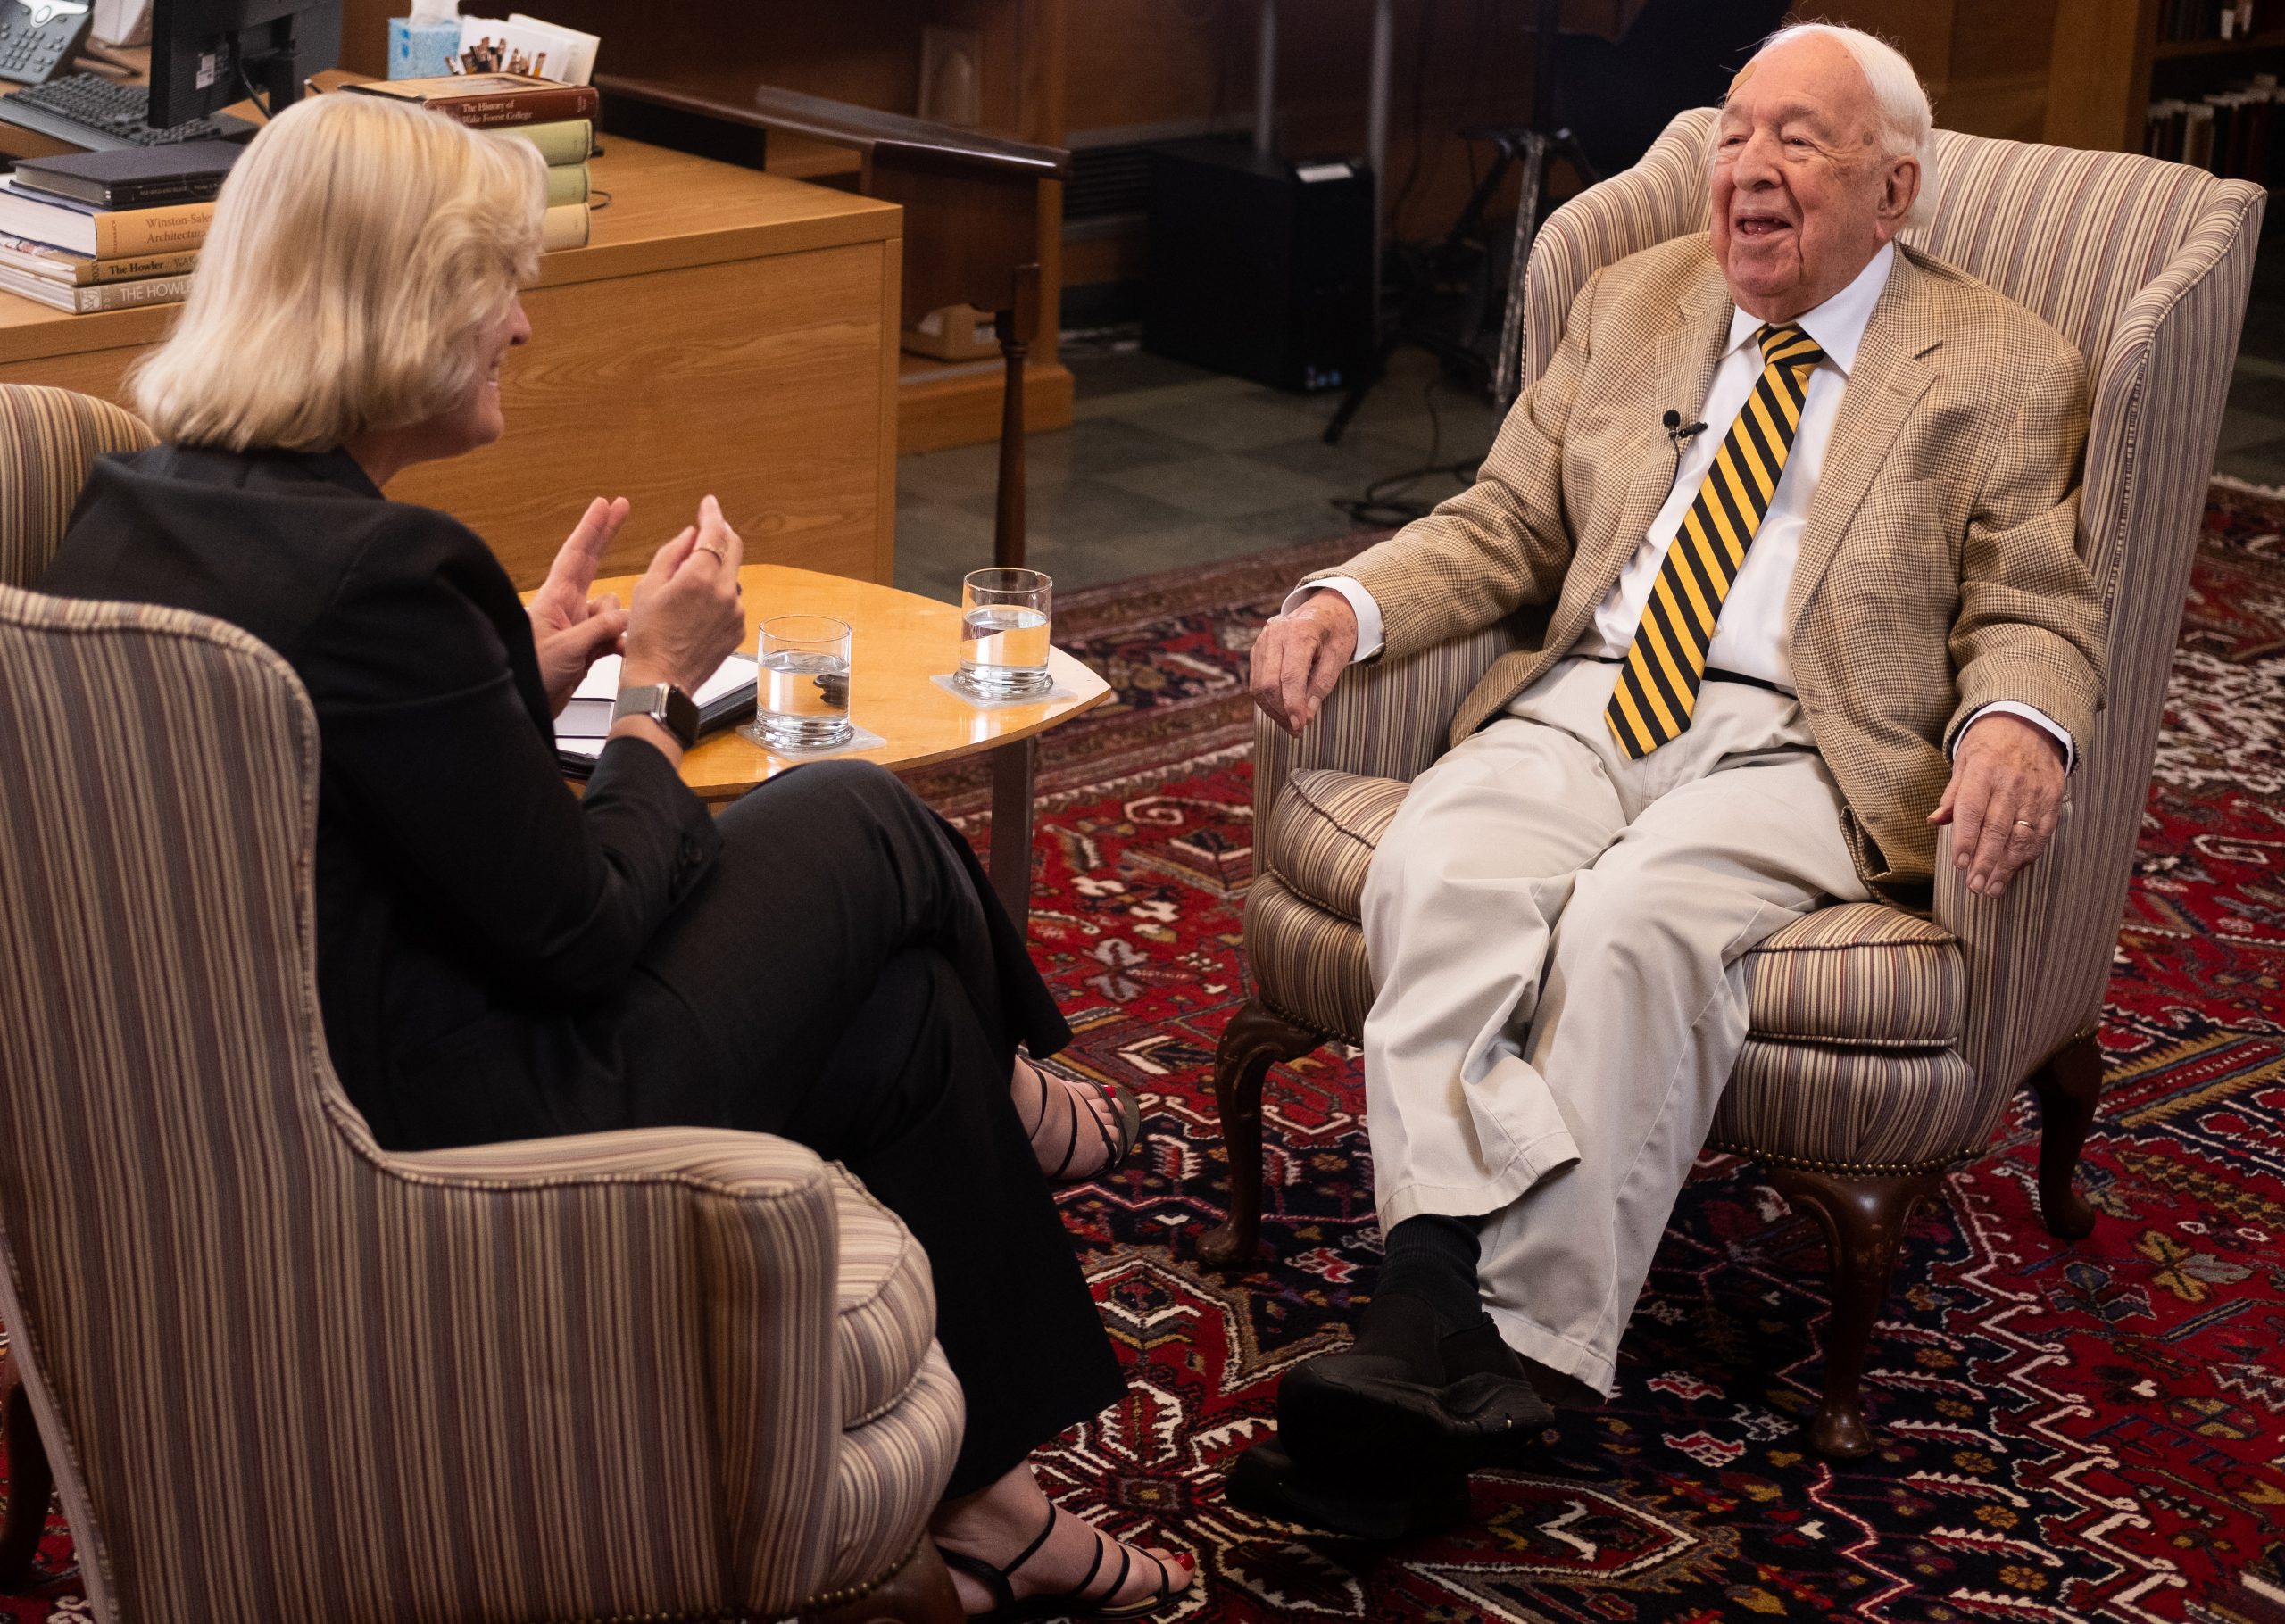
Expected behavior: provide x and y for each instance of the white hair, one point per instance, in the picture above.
(1907, 120)
(355, 251)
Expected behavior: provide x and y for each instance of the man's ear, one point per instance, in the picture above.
(1900, 190)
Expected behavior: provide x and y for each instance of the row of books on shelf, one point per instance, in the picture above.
(2188, 20)
(116, 230)
(2237, 134)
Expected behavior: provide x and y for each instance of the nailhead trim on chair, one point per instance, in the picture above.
(1778, 1158)
(850, 1593)
(1305, 1024)
(816, 1603)
(1772, 1157)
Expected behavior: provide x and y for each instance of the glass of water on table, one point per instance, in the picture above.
(1004, 633)
(803, 702)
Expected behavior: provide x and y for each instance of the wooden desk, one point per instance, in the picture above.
(899, 641)
(726, 331)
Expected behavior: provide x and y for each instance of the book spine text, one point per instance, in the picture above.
(524, 107)
(118, 237)
(567, 183)
(567, 141)
(563, 227)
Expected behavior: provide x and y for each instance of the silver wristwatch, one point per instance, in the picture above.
(664, 703)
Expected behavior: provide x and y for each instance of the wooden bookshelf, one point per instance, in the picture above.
(2177, 50)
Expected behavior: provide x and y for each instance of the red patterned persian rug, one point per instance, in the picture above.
(2068, 1432)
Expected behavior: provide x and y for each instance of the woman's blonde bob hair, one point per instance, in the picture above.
(356, 249)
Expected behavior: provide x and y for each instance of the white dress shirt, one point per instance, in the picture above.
(1751, 638)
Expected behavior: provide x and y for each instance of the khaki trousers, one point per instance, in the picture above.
(1555, 933)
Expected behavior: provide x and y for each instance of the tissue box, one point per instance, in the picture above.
(422, 47)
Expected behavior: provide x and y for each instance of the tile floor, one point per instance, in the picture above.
(1167, 464)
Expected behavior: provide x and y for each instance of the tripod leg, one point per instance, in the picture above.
(1357, 391)
(1507, 367)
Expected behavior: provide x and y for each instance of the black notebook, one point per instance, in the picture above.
(134, 176)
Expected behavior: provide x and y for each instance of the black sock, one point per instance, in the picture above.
(1430, 1263)
(1433, 1257)
(1479, 1351)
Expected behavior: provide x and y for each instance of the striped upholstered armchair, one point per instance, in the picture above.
(1886, 1043)
(282, 1373)
(48, 437)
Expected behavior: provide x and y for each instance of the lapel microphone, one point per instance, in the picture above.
(1679, 433)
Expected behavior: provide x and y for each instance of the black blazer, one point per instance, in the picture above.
(476, 921)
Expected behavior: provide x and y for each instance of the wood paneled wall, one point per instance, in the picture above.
(2063, 71)
(2072, 72)
(862, 51)
(1144, 65)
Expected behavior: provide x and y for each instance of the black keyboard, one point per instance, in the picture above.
(92, 111)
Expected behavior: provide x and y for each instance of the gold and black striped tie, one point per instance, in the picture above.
(1658, 685)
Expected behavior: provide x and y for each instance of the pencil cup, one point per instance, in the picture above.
(1004, 633)
(803, 703)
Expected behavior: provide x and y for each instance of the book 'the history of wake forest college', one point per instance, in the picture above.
(516, 103)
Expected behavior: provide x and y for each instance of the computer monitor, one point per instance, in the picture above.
(207, 54)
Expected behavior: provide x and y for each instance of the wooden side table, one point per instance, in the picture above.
(899, 641)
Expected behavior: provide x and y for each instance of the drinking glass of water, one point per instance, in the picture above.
(803, 703)
(1004, 633)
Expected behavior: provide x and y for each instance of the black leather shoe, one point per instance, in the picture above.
(1363, 1413)
(1267, 1480)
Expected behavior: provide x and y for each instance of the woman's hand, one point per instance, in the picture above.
(573, 631)
(686, 617)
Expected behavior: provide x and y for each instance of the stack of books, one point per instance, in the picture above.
(558, 119)
(111, 230)
(2189, 20)
(2236, 133)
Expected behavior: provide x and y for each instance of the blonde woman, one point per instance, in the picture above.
(498, 959)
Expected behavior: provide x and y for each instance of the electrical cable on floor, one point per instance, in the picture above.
(1383, 504)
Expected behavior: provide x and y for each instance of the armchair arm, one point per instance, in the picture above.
(1386, 719)
(2038, 957)
(671, 1292)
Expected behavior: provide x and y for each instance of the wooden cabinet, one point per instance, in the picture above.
(725, 331)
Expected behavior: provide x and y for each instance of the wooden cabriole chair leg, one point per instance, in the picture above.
(30, 1482)
(1255, 1039)
(1863, 1216)
(920, 1592)
(2070, 1086)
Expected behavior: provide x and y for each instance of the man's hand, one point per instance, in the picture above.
(2005, 795)
(572, 631)
(1299, 657)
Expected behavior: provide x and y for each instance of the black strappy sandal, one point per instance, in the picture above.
(1006, 1609)
(1116, 1148)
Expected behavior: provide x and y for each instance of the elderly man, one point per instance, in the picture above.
(1788, 525)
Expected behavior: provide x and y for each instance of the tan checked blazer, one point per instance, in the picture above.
(1938, 570)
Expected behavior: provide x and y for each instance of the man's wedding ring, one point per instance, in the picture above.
(2025, 823)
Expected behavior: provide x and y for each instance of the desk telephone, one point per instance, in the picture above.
(39, 37)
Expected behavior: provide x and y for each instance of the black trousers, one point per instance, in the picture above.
(846, 978)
